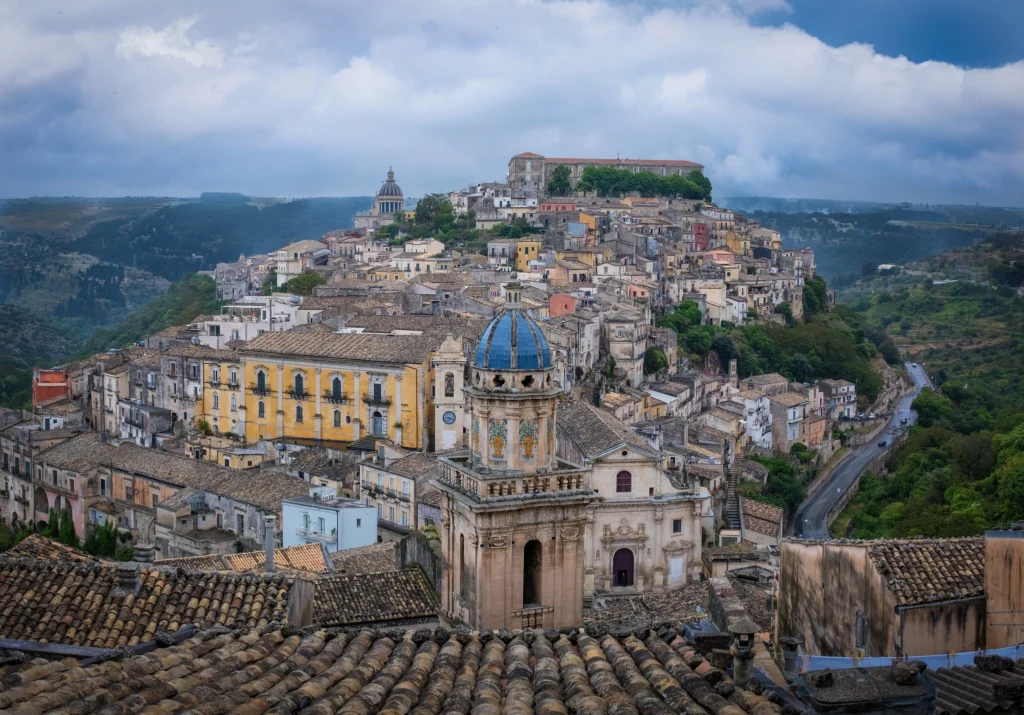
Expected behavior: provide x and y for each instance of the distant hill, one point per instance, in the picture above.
(96, 260)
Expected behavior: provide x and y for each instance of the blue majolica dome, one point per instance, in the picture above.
(513, 341)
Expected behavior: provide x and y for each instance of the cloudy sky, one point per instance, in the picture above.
(918, 100)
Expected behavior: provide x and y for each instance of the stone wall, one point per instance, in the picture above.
(417, 549)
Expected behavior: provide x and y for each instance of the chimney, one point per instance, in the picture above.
(269, 534)
(743, 632)
(144, 553)
(790, 653)
(128, 578)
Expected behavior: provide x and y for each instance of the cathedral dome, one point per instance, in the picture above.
(390, 188)
(513, 341)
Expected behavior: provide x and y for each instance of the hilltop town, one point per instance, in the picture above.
(514, 407)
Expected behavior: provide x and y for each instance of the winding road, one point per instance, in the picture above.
(811, 519)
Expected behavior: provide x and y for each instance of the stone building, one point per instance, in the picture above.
(513, 515)
(644, 533)
(388, 202)
(529, 173)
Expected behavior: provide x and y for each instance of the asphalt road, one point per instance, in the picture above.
(811, 519)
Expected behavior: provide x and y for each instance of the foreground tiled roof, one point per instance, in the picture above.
(80, 604)
(37, 546)
(423, 672)
(593, 430)
(928, 570)
(307, 558)
(389, 597)
(374, 558)
(366, 347)
(968, 689)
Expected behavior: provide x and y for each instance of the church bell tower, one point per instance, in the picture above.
(513, 515)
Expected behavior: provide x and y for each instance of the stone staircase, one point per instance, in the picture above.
(732, 499)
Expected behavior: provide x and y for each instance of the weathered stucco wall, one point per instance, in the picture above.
(822, 588)
(951, 627)
(1004, 586)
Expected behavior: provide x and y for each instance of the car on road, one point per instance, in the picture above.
(903, 421)
(882, 443)
(913, 364)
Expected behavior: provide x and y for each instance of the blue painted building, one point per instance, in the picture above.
(324, 517)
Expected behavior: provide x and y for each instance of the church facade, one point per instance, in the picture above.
(386, 204)
(523, 528)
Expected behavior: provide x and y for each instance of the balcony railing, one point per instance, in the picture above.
(383, 400)
(257, 390)
(21, 499)
(298, 395)
(317, 535)
(386, 491)
(335, 399)
(234, 386)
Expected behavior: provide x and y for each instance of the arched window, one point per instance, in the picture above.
(532, 562)
(337, 418)
(215, 377)
(234, 404)
(622, 568)
(216, 401)
(449, 384)
(299, 385)
(234, 377)
(623, 482)
(261, 409)
(348, 419)
(336, 388)
(261, 381)
(298, 413)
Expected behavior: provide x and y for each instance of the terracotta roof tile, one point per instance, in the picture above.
(374, 558)
(928, 570)
(38, 546)
(390, 349)
(389, 597)
(305, 558)
(314, 671)
(80, 603)
(595, 431)
(760, 517)
(262, 489)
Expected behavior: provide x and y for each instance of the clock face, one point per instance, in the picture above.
(449, 418)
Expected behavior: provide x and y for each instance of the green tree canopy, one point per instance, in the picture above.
(654, 360)
(560, 184)
(304, 284)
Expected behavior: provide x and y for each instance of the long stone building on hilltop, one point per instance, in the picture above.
(529, 173)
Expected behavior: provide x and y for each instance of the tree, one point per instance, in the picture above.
(784, 309)
(933, 409)
(6, 537)
(698, 341)
(269, 283)
(655, 360)
(304, 284)
(559, 184)
(102, 540)
(724, 345)
(1010, 478)
(52, 530)
(67, 535)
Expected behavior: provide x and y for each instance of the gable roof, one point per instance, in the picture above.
(308, 558)
(359, 347)
(928, 570)
(388, 597)
(80, 603)
(761, 518)
(261, 489)
(595, 432)
(38, 546)
(388, 672)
